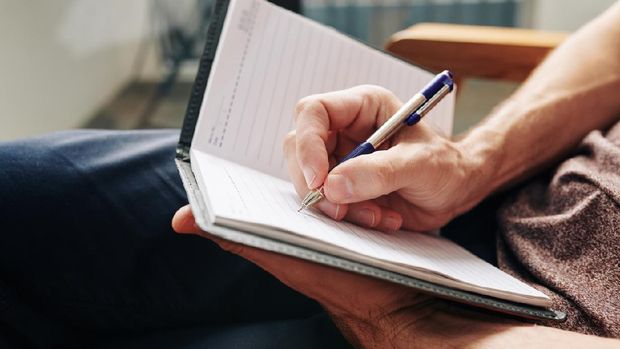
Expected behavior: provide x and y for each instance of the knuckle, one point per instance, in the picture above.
(380, 99)
(305, 104)
(384, 175)
(300, 105)
(314, 113)
(370, 88)
(374, 91)
(289, 141)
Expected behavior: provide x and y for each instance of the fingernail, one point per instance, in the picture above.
(309, 175)
(392, 223)
(329, 208)
(365, 217)
(340, 186)
(182, 209)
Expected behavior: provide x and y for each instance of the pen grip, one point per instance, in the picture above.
(413, 119)
(364, 148)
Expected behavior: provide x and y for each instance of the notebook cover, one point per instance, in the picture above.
(250, 239)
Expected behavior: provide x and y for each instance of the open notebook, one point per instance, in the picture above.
(259, 60)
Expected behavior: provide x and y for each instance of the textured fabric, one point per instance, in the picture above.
(561, 233)
(88, 257)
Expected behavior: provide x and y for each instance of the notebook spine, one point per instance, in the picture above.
(216, 22)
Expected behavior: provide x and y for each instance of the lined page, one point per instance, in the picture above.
(239, 193)
(269, 58)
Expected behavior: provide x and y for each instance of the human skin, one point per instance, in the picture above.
(423, 180)
(373, 313)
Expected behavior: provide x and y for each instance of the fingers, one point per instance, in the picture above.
(369, 214)
(319, 282)
(314, 131)
(369, 176)
(183, 221)
(328, 126)
(356, 111)
(335, 211)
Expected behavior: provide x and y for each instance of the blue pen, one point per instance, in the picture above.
(408, 115)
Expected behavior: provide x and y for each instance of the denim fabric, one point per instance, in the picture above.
(88, 258)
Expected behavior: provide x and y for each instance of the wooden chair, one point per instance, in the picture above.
(474, 51)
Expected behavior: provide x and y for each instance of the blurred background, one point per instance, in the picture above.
(130, 64)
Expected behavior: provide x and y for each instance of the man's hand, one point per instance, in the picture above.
(419, 181)
(369, 312)
(423, 180)
(372, 313)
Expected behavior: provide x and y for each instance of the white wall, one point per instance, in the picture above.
(562, 15)
(60, 60)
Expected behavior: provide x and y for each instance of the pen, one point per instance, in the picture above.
(408, 115)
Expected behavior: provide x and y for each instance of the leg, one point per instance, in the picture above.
(86, 243)
(311, 332)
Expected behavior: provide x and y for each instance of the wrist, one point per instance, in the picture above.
(484, 151)
(454, 327)
(364, 334)
(479, 162)
(440, 326)
(396, 328)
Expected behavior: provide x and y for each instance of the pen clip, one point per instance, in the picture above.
(442, 79)
(417, 115)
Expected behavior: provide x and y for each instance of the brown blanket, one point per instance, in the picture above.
(561, 234)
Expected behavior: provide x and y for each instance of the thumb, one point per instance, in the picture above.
(367, 177)
(183, 221)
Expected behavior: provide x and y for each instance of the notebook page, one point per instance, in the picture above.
(238, 193)
(269, 58)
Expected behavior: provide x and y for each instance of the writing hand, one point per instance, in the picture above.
(419, 181)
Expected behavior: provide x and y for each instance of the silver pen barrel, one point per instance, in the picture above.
(393, 124)
(418, 104)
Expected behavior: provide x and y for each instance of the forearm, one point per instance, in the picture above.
(450, 330)
(573, 92)
(440, 325)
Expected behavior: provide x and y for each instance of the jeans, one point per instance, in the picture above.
(88, 258)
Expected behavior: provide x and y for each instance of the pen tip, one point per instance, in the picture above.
(300, 208)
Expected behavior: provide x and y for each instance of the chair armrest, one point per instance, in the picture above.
(474, 51)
